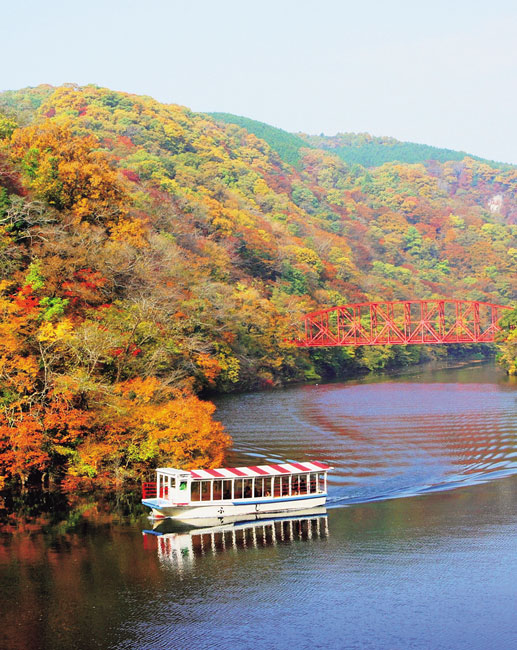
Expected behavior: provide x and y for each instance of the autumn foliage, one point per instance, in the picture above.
(67, 172)
(149, 254)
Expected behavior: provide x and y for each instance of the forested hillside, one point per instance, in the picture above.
(149, 254)
(287, 145)
(354, 148)
(370, 151)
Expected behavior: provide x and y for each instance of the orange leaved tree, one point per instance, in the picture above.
(68, 172)
(148, 424)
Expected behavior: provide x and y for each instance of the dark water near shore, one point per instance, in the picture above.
(418, 548)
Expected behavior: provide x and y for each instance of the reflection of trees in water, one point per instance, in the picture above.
(55, 512)
(61, 568)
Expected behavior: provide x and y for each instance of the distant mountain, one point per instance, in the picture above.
(369, 151)
(287, 145)
(354, 148)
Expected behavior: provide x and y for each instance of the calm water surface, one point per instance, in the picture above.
(418, 548)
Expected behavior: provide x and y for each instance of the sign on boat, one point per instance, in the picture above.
(237, 491)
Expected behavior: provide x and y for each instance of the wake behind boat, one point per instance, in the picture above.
(238, 491)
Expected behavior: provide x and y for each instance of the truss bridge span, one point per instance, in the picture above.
(403, 322)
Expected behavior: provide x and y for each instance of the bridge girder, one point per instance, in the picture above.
(402, 322)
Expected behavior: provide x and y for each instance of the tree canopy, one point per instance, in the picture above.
(150, 255)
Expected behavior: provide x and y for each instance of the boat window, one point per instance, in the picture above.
(206, 490)
(284, 481)
(238, 488)
(227, 489)
(313, 483)
(218, 490)
(183, 485)
(295, 485)
(195, 494)
(164, 492)
(276, 486)
(267, 487)
(248, 485)
(303, 484)
(259, 487)
(321, 482)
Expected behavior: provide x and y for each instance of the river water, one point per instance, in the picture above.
(417, 548)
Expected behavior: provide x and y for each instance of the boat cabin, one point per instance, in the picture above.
(262, 483)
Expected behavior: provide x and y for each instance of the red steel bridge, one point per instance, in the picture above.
(403, 322)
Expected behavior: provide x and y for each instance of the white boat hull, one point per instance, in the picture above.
(223, 509)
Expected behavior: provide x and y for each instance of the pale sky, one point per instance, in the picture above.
(439, 72)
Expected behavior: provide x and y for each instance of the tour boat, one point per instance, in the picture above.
(237, 491)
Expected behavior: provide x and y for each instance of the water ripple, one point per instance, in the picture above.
(388, 439)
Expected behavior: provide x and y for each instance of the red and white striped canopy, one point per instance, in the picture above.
(259, 470)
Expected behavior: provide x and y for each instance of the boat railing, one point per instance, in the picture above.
(149, 490)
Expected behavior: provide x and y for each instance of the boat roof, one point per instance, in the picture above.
(173, 471)
(260, 470)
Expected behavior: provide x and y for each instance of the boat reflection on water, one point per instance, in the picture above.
(179, 546)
